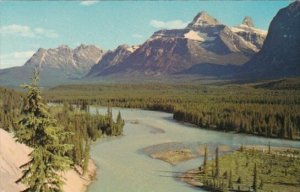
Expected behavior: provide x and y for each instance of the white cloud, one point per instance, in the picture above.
(47, 33)
(175, 24)
(15, 59)
(138, 36)
(88, 2)
(26, 31)
(19, 30)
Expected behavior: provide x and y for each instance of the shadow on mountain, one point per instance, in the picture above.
(210, 69)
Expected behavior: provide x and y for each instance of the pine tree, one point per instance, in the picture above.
(217, 172)
(110, 126)
(39, 130)
(230, 183)
(255, 184)
(120, 121)
(205, 159)
(86, 156)
(120, 124)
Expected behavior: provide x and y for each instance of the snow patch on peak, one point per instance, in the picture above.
(193, 35)
(133, 48)
(246, 28)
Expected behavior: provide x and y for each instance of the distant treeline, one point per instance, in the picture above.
(240, 108)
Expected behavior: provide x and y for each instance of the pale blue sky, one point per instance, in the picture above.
(27, 25)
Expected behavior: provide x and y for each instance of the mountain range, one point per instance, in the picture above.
(205, 47)
(202, 41)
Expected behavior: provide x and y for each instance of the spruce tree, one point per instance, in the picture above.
(120, 124)
(120, 121)
(39, 130)
(255, 184)
(217, 172)
(230, 183)
(205, 159)
(86, 156)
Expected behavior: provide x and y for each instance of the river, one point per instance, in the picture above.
(122, 166)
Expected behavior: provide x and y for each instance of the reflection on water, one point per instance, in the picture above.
(123, 167)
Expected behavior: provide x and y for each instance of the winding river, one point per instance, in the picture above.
(122, 166)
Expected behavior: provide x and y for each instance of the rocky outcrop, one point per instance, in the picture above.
(250, 34)
(280, 54)
(71, 61)
(112, 58)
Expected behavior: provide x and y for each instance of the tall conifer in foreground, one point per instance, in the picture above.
(39, 130)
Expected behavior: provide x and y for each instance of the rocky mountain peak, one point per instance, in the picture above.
(66, 59)
(248, 21)
(203, 18)
(63, 46)
(123, 46)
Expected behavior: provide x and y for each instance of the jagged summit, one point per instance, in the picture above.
(248, 21)
(63, 46)
(64, 58)
(203, 18)
(112, 58)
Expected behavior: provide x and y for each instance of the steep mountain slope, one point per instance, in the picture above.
(203, 41)
(58, 66)
(280, 54)
(77, 61)
(112, 58)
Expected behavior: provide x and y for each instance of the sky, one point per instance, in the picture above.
(26, 26)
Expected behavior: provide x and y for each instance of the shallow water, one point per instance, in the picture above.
(123, 167)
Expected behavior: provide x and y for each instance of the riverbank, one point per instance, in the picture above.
(14, 154)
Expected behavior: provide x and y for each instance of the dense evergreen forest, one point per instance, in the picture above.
(266, 109)
(83, 126)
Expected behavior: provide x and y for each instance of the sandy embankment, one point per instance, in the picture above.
(13, 155)
(174, 157)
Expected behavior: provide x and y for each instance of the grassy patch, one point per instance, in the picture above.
(278, 170)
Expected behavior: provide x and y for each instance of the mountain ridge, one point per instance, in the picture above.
(204, 40)
(78, 60)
